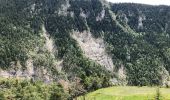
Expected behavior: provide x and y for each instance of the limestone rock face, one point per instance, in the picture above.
(101, 15)
(140, 21)
(30, 72)
(93, 48)
(63, 9)
(49, 43)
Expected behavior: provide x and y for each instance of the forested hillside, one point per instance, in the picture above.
(84, 45)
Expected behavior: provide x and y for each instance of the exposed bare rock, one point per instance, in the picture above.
(33, 7)
(59, 65)
(30, 72)
(93, 48)
(42, 74)
(165, 75)
(65, 84)
(122, 17)
(63, 10)
(49, 45)
(72, 14)
(101, 15)
(167, 84)
(83, 14)
(140, 21)
(5, 74)
(120, 78)
(122, 75)
(30, 67)
(18, 72)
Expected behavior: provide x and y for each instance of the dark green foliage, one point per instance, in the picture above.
(156, 17)
(15, 89)
(16, 37)
(144, 52)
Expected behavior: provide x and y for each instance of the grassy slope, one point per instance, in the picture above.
(127, 93)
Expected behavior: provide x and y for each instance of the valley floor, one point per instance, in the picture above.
(128, 93)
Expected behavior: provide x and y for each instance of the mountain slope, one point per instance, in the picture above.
(88, 42)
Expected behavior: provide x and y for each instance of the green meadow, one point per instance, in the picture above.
(128, 93)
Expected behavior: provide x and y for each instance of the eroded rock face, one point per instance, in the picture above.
(165, 76)
(122, 17)
(122, 75)
(93, 48)
(49, 43)
(83, 14)
(33, 7)
(31, 72)
(34, 72)
(51, 48)
(63, 10)
(141, 18)
(5, 74)
(101, 15)
(16, 71)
